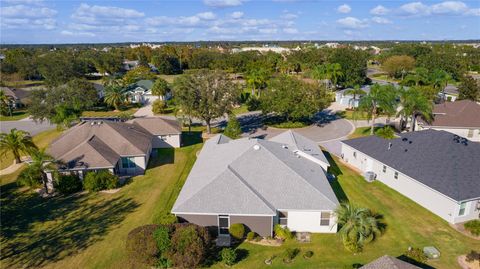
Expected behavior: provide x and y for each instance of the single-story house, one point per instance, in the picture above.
(141, 92)
(17, 96)
(460, 117)
(449, 93)
(344, 98)
(259, 183)
(436, 169)
(389, 262)
(129, 65)
(123, 148)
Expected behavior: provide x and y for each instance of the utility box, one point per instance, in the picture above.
(431, 252)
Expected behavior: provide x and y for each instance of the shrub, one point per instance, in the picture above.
(166, 219)
(282, 233)
(29, 178)
(290, 125)
(308, 254)
(385, 132)
(141, 245)
(416, 254)
(237, 230)
(253, 103)
(229, 256)
(159, 106)
(352, 245)
(290, 254)
(233, 129)
(473, 256)
(251, 236)
(162, 237)
(67, 184)
(101, 180)
(473, 227)
(189, 246)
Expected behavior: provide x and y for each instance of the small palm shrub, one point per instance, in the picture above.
(282, 233)
(166, 219)
(416, 255)
(290, 254)
(159, 106)
(237, 231)
(385, 132)
(101, 180)
(473, 226)
(308, 254)
(253, 103)
(473, 256)
(251, 236)
(229, 256)
(67, 184)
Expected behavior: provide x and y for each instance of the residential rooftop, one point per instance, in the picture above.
(464, 113)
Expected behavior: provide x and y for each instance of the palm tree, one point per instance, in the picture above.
(256, 78)
(334, 71)
(355, 91)
(319, 72)
(160, 87)
(5, 104)
(439, 79)
(419, 77)
(380, 97)
(413, 104)
(115, 96)
(16, 142)
(37, 169)
(358, 226)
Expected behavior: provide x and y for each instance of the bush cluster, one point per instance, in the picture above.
(417, 255)
(67, 184)
(251, 236)
(290, 254)
(101, 180)
(141, 245)
(159, 106)
(237, 231)
(473, 226)
(282, 233)
(229, 256)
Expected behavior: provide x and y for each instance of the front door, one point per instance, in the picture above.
(223, 224)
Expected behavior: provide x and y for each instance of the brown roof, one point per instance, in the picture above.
(159, 126)
(464, 113)
(388, 262)
(100, 143)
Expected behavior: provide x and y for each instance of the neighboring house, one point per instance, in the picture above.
(141, 92)
(436, 169)
(459, 117)
(129, 65)
(100, 90)
(389, 262)
(259, 183)
(17, 96)
(449, 93)
(344, 98)
(123, 148)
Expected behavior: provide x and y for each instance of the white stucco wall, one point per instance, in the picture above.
(437, 203)
(309, 221)
(471, 211)
(463, 132)
(168, 141)
(140, 166)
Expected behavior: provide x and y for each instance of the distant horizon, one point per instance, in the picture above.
(106, 21)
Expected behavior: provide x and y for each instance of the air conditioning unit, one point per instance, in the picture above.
(369, 176)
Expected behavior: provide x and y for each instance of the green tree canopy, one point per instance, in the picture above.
(160, 87)
(233, 128)
(414, 103)
(353, 65)
(469, 89)
(380, 98)
(398, 66)
(16, 142)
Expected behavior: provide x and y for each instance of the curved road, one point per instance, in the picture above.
(26, 125)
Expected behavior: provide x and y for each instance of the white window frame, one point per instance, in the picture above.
(355, 154)
(322, 219)
(384, 169)
(395, 175)
(218, 223)
(460, 213)
(132, 161)
(470, 133)
(283, 218)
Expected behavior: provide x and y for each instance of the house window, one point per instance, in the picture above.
(396, 175)
(325, 219)
(384, 168)
(463, 207)
(355, 154)
(470, 133)
(223, 224)
(128, 162)
(282, 218)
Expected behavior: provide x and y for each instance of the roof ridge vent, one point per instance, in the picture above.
(389, 145)
(256, 147)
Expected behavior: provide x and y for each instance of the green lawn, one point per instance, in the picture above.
(353, 115)
(169, 78)
(17, 114)
(384, 77)
(87, 230)
(240, 110)
(408, 224)
(130, 111)
(41, 140)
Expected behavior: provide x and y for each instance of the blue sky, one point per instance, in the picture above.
(71, 21)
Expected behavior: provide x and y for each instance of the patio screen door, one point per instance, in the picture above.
(223, 224)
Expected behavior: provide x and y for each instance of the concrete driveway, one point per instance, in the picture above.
(26, 125)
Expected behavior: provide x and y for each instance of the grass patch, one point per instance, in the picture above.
(110, 113)
(289, 125)
(169, 78)
(384, 77)
(362, 131)
(41, 140)
(240, 110)
(17, 114)
(353, 115)
(88, 230)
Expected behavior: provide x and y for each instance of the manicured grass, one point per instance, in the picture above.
(41, 140)
(408, 224)
(384, 77)
(353, 115)
(169, 78)
(88, 230)
(362, 131)
(111, 113)
(240, 110)
(17, 114)
(23, 83)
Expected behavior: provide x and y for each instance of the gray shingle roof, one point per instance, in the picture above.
(158, 126)
(388, 262)
(253, 176)
(431, 157)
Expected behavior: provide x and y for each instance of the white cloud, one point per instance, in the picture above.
(268, 30)
(22, 11)
(449, 7)
(30, 2)
(207, 15)
(104, 14)
(379, 10)
(352, 23)
(70, 33)
(290, 30)
(443, 8)
(289, 16)
(381, 20)
(414, 8)
(27, 23)
(223, 3)
(474, 12)
(236, 15)
(344, 8)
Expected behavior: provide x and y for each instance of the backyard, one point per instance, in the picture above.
(89, 230)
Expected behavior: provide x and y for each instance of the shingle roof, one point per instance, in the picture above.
(100, 143)
(388, 262)
(253, 176)
(159, 126)
(464, 113)
(432, 157)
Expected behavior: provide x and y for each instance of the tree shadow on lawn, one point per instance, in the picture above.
(38, 231)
